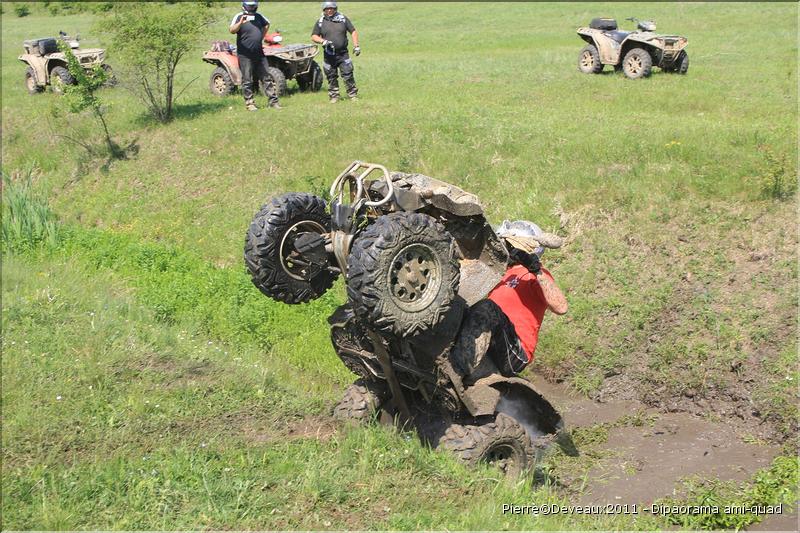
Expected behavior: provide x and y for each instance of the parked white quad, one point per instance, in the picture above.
(634, 52)
(48, 66)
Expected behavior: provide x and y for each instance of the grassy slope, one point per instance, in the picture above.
(123, 422)
(648, 180)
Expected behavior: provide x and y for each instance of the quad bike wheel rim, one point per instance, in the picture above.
(219, 84)
(58, 85)
(634, 64)
(414, 277)
(587, 61)
(30, 82)
(502, 457)
(291, 260)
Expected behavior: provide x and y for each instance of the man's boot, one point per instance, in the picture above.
(250, 105)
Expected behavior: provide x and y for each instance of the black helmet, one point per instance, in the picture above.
(328, 5)
(250, 7)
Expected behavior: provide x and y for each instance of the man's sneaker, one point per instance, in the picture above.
(251, 106)
(275, 105)
(334, 99)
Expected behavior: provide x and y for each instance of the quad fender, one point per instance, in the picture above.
(635, 40)
(227, 61)
(39, 66)
(515, 397)
(608, 48)
(53, 63)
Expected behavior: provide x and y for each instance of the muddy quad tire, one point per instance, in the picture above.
(276, 268)
(278, 79)
(59, 78)
(403, 274)
(502, 443)
(30, 82)
(220, 83)
(311, 81)
(682, 63)
(638, 63)
(111, 79)
(589, 60)
(361, 402)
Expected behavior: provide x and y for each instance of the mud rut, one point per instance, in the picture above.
(642, 455)
(643, 452)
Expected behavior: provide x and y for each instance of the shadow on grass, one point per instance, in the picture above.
(186, 111)
(197, 109)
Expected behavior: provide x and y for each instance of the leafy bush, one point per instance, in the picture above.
(22, 10)
(28, 221)
(81, 95)
(776, 182)
(152, 42)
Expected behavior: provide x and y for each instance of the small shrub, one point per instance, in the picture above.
(152, 42)
(776, 182)
(22, 10)
(81, 95)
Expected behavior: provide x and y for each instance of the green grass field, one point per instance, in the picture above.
(146, 384)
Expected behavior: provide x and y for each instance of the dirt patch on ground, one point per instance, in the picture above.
(258, 427)
(632, 453)
(716, 345)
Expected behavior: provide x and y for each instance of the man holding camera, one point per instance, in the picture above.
(331, 32)
(251, 28)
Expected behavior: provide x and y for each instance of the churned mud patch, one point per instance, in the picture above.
(710, 333)
(635, 454)
(255, 427)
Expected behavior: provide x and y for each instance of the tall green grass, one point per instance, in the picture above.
(114, 419)
(28, 221)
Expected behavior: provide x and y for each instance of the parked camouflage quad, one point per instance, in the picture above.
(48, 66)
(635, 52)
(286, 62)
(416, 253)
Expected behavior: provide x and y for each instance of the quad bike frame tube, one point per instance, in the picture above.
(337, 189)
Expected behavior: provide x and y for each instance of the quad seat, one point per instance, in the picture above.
(605, 24)
(618, 36)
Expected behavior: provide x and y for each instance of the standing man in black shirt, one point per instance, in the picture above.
(331, 32)
(250, 28)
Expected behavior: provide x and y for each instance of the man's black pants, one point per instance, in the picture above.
(257, 66)
(331, 65)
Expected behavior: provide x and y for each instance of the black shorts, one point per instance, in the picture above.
(506, 349)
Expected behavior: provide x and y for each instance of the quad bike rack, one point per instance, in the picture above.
(337, 189)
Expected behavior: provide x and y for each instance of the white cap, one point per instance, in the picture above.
(521, 229)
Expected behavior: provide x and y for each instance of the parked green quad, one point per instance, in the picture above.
(634, 52)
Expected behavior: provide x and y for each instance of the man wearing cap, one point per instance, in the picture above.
(250, 28)
(331, 32)
(505, 325)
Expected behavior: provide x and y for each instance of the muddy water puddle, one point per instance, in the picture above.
(638, 454)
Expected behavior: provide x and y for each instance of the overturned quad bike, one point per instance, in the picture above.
(416, 253)
(286, 62)
(634, 52)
